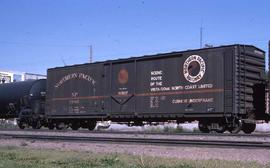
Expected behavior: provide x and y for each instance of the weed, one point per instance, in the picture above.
(23, 144)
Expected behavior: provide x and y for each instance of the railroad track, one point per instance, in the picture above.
(259, 135)
(145, 141)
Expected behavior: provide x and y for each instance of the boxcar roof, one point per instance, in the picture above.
(151, 56)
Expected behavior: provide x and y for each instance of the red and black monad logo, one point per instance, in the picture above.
(194, 68)
(123, 76)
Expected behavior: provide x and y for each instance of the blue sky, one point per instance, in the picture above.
(40, 34)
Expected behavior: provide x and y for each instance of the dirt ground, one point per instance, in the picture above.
(195, 153)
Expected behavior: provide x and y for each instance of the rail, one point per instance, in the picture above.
(144, 141)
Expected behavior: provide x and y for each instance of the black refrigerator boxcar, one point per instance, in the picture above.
(216, 86)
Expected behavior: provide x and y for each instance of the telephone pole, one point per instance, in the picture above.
(201, 35)
(268, 62)
(91, 54)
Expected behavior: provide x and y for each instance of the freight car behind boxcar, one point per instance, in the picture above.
(25, 101)
(222, 87)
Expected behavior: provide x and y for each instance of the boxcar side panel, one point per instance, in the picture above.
(187, 83)
(76, 91)
(123, 88)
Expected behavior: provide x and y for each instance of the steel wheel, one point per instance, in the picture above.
(36, 125)
(75, 126)
(51, 126)
(21, 125)
(222, 129)
(92, 125)
(248, 128)
(203, 127)
(60, 126)
(236, 128)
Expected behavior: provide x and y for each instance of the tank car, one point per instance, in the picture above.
(25, 101)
